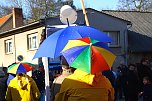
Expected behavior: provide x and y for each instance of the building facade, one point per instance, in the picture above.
(23, 41)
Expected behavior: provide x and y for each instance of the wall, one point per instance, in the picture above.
(20, 48)
(5, 59)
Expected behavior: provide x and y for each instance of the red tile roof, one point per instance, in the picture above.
(4, 19)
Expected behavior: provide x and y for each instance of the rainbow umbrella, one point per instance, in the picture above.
(88, 55)
(21, 67)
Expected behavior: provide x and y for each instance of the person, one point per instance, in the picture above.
(147, 91)
(2, 74)
(132, 83)
(66, 71)
(39, 78)
(112, 76)
(3, 84)
(4, 70)
(3, 88)
(143, 70)
(81, 86)
(150, 63)
(122, 72)
(22, 88)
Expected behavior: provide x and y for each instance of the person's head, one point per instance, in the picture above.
(150, 63)
(5, 70)
(64, 62)
(132, 67)
(122, 64)
(68, 69)
(146, 80)
(65, 66)
(145, 61)
(20, 76)
(41, 68)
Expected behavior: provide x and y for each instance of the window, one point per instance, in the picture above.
(8, 46)
(115, 35)
(32, 41)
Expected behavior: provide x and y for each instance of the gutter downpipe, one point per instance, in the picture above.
(126, 43)
(15, 48)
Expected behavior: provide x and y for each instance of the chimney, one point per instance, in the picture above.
(17, 17)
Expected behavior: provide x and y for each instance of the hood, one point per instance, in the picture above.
(90, 79)
(23, 82)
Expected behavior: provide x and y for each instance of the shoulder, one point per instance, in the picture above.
(105, 82)
(31, 81)
(59, 79)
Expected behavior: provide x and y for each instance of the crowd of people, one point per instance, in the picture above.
(127, 82)
(134, 82)
(131, 83)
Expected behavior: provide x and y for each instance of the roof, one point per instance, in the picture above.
(128, 22)
(140, 34)
(30, 26)
(141, 21)
(4, 19)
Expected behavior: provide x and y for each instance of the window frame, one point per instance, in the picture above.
(118, 37)
(29, 43)
(8, 49)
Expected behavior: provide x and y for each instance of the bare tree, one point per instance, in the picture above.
(16, 3)
(36, 9)
(40, 8)
(4, 10)
(138, 5)
(7, 7)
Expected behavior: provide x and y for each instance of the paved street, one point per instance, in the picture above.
(124, 100)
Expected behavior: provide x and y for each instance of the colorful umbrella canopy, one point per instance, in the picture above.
(18, 68)
(88, 55)
(54, 44)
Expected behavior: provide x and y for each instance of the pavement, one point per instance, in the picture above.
(124, 99)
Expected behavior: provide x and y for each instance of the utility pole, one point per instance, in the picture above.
(84, 12)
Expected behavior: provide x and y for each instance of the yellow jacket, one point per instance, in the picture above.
(27, 92)
(81, 86)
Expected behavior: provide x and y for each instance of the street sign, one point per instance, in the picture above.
(20, 58)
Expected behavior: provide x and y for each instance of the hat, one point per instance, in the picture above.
(63, 61)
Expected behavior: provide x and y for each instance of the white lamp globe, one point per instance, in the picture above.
(68, 15)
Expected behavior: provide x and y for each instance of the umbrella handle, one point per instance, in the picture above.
(68, 21)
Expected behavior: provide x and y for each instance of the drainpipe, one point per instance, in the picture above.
(14, 49)
(126, 43)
